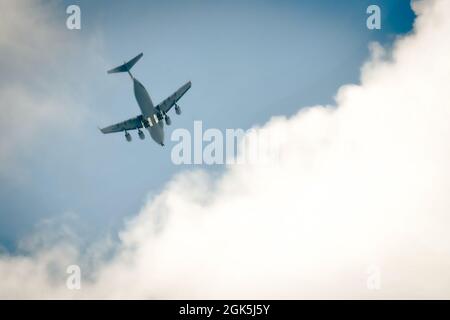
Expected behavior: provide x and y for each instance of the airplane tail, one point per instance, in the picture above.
(126, 67)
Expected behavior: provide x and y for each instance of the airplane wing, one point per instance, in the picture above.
(130, 124)
(167, 104)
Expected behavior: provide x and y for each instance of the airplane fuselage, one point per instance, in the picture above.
(152, 117)
(155, 125)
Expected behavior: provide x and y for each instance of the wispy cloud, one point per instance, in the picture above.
(40, 88)
(363, 183)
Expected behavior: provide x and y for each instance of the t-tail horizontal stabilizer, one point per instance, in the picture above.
(126, 67)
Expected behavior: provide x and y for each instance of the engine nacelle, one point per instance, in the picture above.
(141, 135)
(168, 121)
(177, 109)
(128, 136)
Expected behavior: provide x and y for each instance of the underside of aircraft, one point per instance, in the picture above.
(152, 117)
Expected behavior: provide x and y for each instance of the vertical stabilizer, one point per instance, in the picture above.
(126, 67)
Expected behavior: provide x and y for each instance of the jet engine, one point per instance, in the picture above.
(141, 134)
(168, 121)
(128, 136)
(177, 109)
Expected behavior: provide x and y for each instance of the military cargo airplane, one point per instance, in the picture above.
(151, 117)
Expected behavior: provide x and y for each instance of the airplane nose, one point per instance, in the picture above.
(161, 136)
(157, 134)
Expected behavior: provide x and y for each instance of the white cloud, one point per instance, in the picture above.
(40, 89)
(365, 183)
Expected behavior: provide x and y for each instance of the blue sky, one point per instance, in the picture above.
(247, 60)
